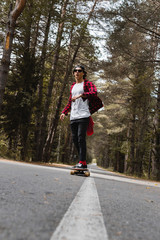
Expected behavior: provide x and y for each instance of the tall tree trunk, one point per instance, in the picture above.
(27, 75)
(40, 85)
(132, 143)
(156, 150)
(127, 151)
(52, 79)
(140, 145)
(10, 28)
(139, 154)
(59, 144)
(53, 128)
(52, 131)
(106, 159)
(150, 160)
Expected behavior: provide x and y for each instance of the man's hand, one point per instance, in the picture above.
(76, 97)
(62, 116)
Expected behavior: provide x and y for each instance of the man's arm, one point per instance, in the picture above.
(90, 90)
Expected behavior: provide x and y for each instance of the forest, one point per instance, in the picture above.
(118, 42)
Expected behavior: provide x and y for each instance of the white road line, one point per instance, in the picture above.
(83, 219)
(127, 180)
(34, 166)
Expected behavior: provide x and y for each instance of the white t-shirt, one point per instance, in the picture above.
(79, 108)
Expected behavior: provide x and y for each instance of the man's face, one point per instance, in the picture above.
(78, 73)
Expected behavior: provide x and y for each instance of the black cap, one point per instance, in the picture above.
(82, 67)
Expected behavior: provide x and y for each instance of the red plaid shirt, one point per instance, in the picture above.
(90, 91)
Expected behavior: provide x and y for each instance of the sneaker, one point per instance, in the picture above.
(80, 166)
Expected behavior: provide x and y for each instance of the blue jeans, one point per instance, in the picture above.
(79, 129)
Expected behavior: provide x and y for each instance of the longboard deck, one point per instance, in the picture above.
(81, 172)
(80, 169)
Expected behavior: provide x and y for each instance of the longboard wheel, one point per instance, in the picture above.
(87, 174)
(72, 172)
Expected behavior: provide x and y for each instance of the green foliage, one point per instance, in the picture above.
(33, 55)
(129, 80)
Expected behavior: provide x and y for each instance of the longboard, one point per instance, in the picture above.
(83, 171)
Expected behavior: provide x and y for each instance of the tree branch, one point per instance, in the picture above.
(146, 29)
(20, 5)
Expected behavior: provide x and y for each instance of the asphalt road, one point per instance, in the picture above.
(46, 203)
